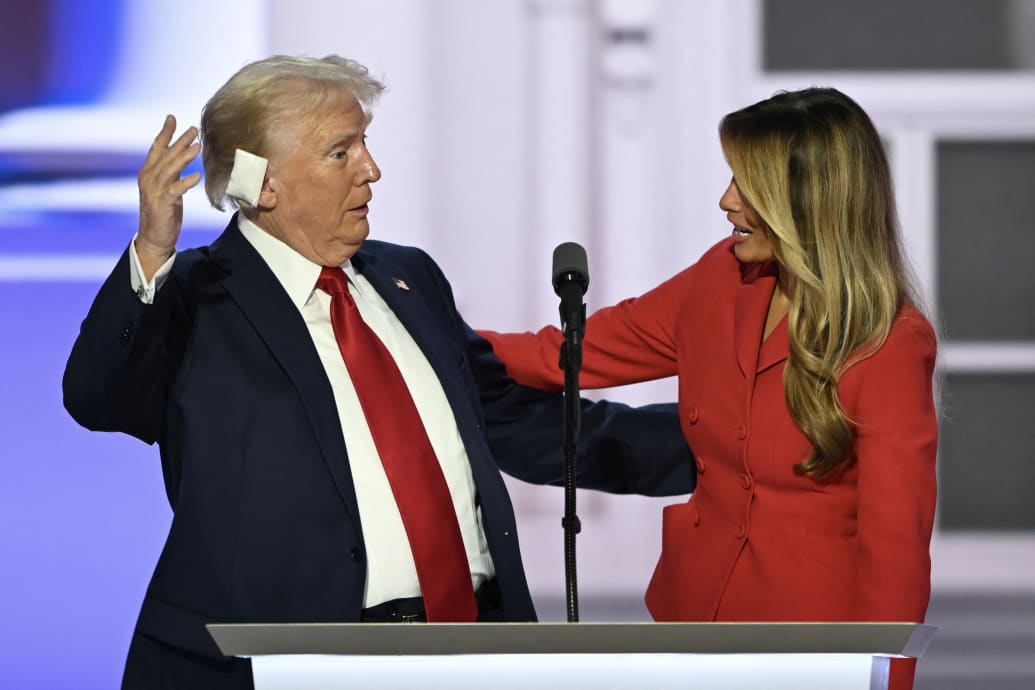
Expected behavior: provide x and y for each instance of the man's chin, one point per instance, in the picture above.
(357, 238)
(349, 244)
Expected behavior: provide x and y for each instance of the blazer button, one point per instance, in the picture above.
(692, 415)
(742, 432)
(700, 464)
(745, 481)
(697, 518)
(358, 555)
(741, 531)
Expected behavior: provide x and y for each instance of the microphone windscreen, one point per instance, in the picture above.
(569, 263)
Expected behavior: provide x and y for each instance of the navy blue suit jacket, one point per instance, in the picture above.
(221, 372)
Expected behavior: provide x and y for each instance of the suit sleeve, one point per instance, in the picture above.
(121, 364)
(896, 445)
(621, 449)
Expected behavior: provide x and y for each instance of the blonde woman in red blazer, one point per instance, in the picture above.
(805, 383)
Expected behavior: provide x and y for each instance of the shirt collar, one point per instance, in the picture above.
(297, 274)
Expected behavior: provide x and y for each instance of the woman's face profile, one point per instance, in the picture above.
(750, 234)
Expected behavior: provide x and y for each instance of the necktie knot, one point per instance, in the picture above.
(333, 281)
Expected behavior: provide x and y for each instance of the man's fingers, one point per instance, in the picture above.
(161, 149)
(162, 187)
(186, 138)
(165, 135)
(180, 187)
(168, 168)
(173, 166)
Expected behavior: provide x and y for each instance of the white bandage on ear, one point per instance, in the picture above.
(247, 177)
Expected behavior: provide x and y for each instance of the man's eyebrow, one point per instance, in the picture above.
(344, 139)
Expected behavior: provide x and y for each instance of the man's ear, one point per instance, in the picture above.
(268, 195)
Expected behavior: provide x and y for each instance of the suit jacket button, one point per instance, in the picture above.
(742, 432)
(741, 531)
(358, 555)
(745, 480)
(700, 464)
(692, 415)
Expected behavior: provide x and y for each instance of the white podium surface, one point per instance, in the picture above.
(601, 656)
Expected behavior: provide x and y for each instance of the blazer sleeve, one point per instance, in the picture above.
(122, 362)
(896, 446)
(632, 341)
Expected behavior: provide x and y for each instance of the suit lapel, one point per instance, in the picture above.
(259, 295)
(402, 293)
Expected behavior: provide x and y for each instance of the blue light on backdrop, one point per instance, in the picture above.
(82, 48)
(84, 514)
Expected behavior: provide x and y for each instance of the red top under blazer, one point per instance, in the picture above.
(757, 542)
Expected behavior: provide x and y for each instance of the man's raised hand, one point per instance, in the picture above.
(161, 194)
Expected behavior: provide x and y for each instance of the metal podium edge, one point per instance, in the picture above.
(252, 639)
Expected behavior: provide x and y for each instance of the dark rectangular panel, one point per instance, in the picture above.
(987, 452)
(891, 35)
(986, 239)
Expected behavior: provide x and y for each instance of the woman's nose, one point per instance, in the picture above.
(730, 200)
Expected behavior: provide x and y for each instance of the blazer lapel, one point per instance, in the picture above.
(775, 349)
(256, 291)
(752, 305)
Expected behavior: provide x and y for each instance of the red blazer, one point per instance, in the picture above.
(757, 541)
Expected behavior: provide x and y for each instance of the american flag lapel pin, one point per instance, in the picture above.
(400, 283)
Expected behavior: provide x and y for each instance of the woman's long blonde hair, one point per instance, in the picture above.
(813, 166)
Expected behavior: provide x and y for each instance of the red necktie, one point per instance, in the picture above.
(414, 472)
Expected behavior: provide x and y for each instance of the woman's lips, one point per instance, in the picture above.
(741, 234)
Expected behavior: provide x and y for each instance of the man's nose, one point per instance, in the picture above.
(368, 170)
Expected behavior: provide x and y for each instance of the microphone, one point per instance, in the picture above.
(570, 282)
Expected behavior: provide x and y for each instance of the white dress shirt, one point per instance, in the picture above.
(391, 573)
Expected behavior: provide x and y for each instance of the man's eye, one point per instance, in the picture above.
(339, 155)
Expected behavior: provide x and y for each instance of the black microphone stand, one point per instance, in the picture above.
(573, 321)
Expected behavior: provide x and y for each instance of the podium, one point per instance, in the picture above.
(598, 656)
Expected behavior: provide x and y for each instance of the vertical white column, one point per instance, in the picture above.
(559, 102)
(711, 55)
(480, 151)
(627, 138)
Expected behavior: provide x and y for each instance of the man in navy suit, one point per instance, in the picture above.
(226, 357)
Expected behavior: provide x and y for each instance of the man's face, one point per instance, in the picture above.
(318, 184)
